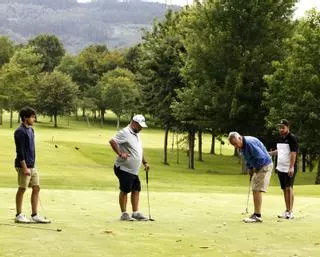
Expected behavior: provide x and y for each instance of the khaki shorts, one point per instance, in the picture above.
(28, 181)
(261, 178)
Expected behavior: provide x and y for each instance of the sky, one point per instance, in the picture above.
(302, 5)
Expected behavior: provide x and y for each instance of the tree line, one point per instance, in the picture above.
(214, 67)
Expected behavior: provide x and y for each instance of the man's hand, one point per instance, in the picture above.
(291, 172)
(146, 167)
(27, 172)
(124, 155)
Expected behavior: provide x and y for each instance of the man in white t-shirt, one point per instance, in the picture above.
(287, 150)
(127, 145)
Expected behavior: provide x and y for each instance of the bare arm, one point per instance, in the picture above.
(116, 149)
(293, 156)
(273, 153)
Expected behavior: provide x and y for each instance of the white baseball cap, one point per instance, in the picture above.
(140, 120)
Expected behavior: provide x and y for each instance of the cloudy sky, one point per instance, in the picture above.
(302, 5)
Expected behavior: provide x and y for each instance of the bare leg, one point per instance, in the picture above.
(257, 200)
(35, 199)
(285, 195)
(289, 198)
(123, 201)
(19, 199)
(135, 200)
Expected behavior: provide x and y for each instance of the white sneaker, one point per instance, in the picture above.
(126, 216)
(138, 216)
(283, 215)
(289, 216)
(39, 219)
(253, 219)
(21, 218)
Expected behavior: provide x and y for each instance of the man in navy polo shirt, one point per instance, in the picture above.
(287, 149)
(25, 166)
(259, 165)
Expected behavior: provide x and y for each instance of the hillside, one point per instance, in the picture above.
(117, 24)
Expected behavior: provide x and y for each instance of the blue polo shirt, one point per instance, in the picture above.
(25, 148)
(254, 153)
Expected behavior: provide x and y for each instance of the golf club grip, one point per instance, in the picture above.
(147, 177)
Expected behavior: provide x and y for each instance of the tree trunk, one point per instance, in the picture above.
(165, 147)
(200, 146)
(191, 137)
(1, 116)
(178, 148)
(118, 122)
(213, 143)
(11, 117)
(304, 161)
(317, 182)
(102, 111)
(83, 111)
(55, 120)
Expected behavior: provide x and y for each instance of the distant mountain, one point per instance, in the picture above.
(117, 24)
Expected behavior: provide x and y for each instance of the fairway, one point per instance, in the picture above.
(197, 212)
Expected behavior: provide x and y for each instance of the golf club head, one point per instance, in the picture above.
(150, 219)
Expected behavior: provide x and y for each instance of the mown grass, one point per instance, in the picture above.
(197, 212)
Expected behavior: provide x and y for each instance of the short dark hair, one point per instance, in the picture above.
(26, 112)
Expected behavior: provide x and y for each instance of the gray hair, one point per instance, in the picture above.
(233, 135)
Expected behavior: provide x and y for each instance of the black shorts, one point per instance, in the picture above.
(285, 180)
(128, 182)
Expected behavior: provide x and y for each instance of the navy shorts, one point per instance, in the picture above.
(285, 180)
(128, 182)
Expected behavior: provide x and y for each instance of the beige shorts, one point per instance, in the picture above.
(28, 181)
(261, 178)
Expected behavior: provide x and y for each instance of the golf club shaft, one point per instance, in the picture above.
(28, 227)
(248, 195)
(147, 180)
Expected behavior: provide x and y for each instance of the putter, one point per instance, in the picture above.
(248, 195)
(147, 180)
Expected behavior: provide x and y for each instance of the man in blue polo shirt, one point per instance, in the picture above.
(259, 165)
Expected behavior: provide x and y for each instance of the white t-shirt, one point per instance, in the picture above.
(129, 142)
(283, 163)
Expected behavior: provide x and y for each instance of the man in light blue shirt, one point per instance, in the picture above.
(259, 165)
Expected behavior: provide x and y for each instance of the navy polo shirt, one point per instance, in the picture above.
(25, 148)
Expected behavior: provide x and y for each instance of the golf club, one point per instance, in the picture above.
(31, 227)
(147, 180)
(248, 195)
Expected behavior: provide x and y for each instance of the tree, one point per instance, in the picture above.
(159, 71)
(119, 92)
(50, 48)
(56, 95)
(93, 62)
(294, 87)
(6, 50)
(230, 45)
(18, 80)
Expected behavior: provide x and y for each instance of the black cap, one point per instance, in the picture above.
(284, 122)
